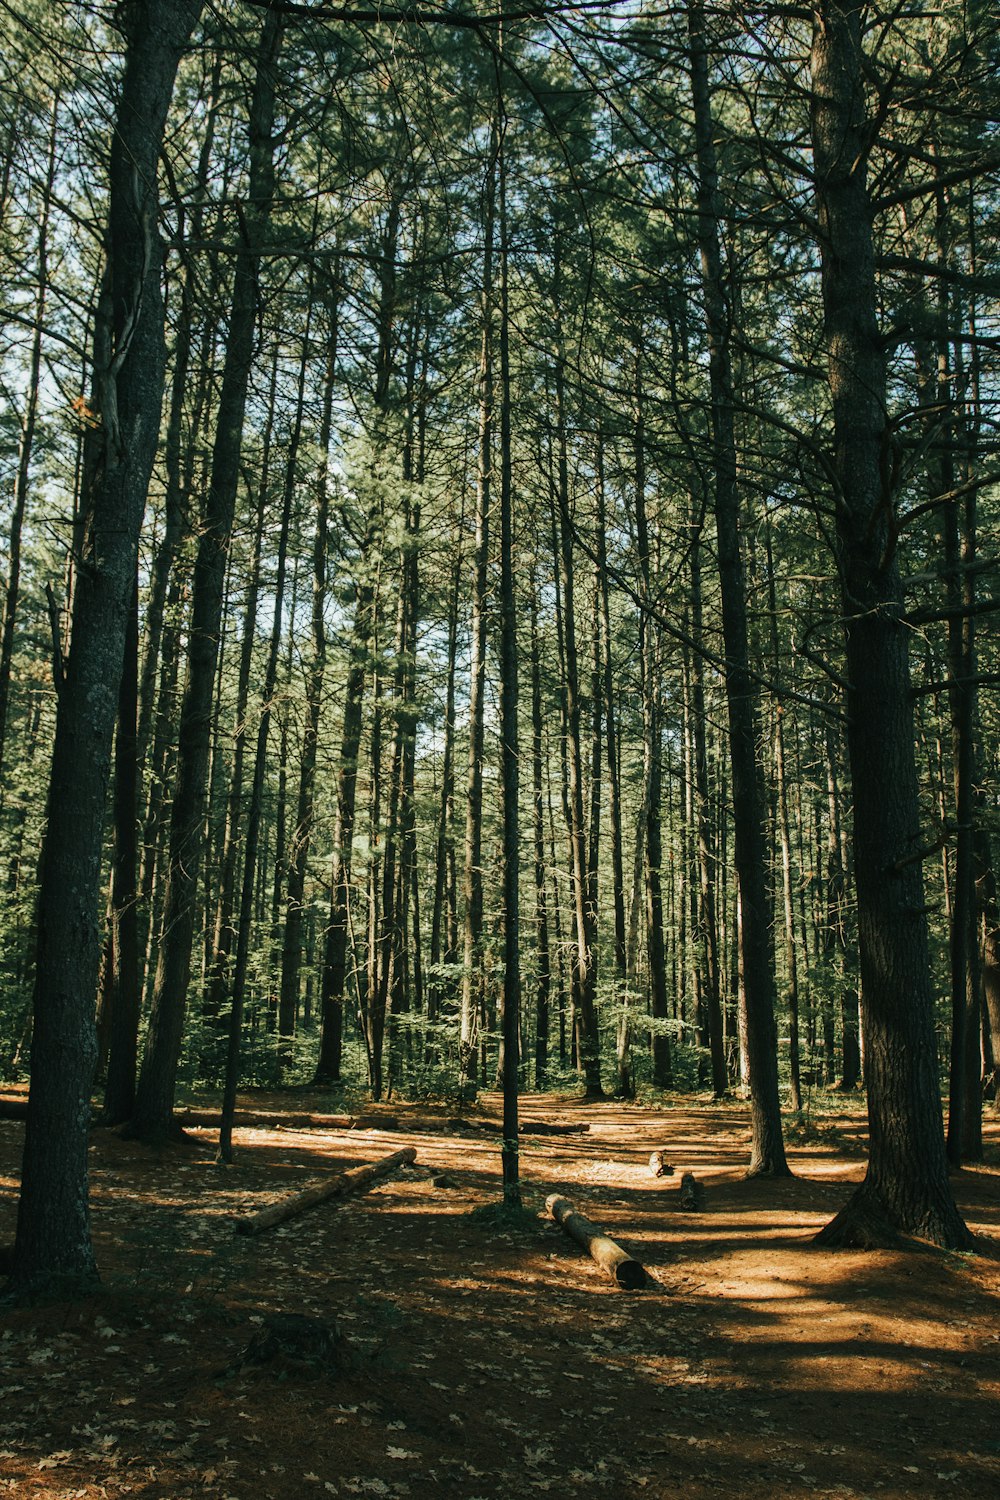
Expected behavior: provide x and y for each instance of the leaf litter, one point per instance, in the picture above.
(491, 1355)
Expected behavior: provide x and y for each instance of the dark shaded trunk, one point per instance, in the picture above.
(53, 1245)
(121, 977)
(906, 1186)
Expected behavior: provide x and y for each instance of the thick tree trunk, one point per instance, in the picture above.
(53, 1244)
(906, 1187)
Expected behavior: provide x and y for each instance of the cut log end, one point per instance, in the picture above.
(623, 1268)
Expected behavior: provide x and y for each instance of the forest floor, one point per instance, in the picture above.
(490, 1359)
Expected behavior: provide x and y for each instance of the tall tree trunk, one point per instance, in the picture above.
(651, 833)
(707, 858)
(605, 691)
(254, 813)
(785, 840)
(291, 953)
(543, 957)
(224, 936)
(767, 1152)
(360, 660)
(26, 445)
(53, 1245)
(509, 741)
(906, 1186)
(158, 1076)
(472, 882)
(122, 978)
(585, 959)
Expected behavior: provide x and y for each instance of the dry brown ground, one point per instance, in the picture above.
(498, 1362)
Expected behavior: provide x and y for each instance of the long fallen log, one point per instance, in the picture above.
(356, 1180)
(248, 1119)
(546, 1127)
(612, 1259)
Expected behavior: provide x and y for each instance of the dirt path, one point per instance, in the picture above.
(488, 1361)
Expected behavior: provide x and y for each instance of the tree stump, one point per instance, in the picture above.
(295, 1344)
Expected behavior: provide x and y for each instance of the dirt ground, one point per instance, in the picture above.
(473, 1359)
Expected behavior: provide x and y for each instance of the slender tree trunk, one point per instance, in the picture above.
(254, 814)
(707, 858)
(291, 954)
(26, 445)
(122, 977)
(509, 731)
(473, 874)
(361, 658)
(836, 944)
(543, 957)
(225, 927)
(767, 1154)
(157, 1079)
(605, 688)
(584, 968)
(651, 837)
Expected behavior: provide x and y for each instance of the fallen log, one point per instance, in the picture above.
(611, 1258)
(543, 1127)
(250, 1119)
(356, 1180)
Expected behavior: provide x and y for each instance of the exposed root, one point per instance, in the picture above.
(867, 1222)
(862, 1224)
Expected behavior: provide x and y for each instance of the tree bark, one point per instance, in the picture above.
(906, 1186)
(158, 1075)
(767, 1155)
(53, 1244)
